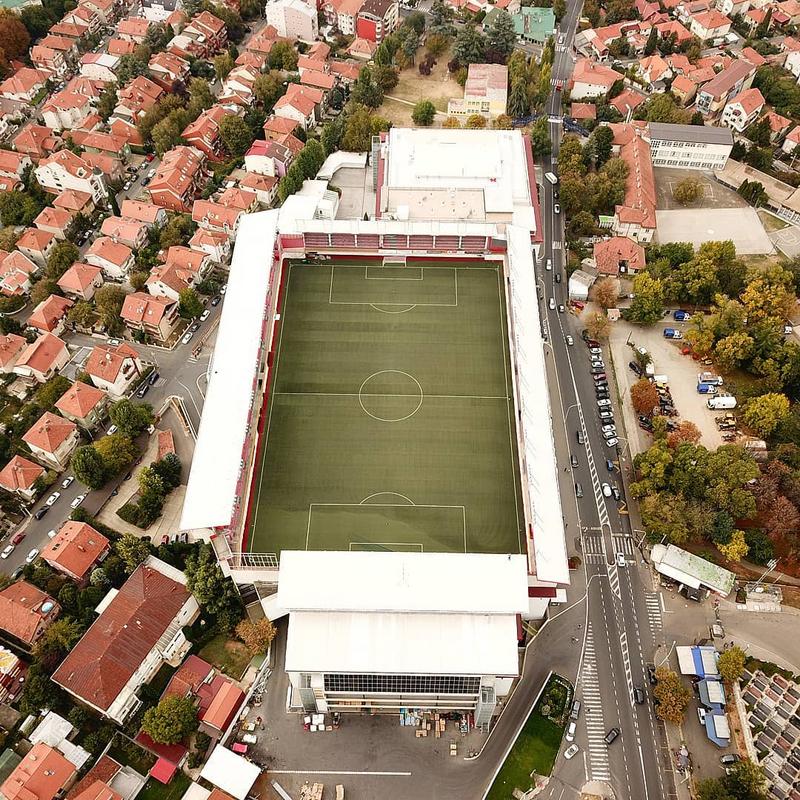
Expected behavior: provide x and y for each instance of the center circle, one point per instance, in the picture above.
(390, 395)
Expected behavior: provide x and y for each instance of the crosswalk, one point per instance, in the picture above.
(624, 544)
(592, 701)
(593, 548)
(653, 605)
(557, 245)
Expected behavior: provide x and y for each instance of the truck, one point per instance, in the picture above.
(681, 316)
(706, 388)
(709, 377)
(551, 177)
(672, 333)
(723, 401)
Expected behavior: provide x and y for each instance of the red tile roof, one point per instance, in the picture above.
(19, 474)
(40, 775)
(143, 308)
(41, 354)
(104, 770)
(79, 277)
(49, 432)
(226, 703)
(609, 254)
(103, 661)
(75, 548)
(750, 100)
(188, 677)
(11, 346)
(49, 313)
(98, 791)
(23, 614)
(105, 361)
(80, 400)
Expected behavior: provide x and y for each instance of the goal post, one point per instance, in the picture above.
(394, 261)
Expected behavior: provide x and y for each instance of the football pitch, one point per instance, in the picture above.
(390, 423)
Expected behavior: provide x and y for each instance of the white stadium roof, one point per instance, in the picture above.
(211, 493)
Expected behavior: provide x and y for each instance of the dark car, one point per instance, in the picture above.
(578, 490)
(603, 396)
(558, 277)
(651, 674)
(579, 437)
(573, 460)
(598, 370)
(143, 389)
(41, 512)
(635, 367)
(609, 465)
(639, 695)
(592, 343)
(18, 537)
(153, 378)
(611, 735)
(215, 300)
(730, 758)
(599, 376)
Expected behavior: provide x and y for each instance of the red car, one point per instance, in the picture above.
(150, 156)
(18, 537)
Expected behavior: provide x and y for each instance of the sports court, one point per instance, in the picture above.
(390, 424)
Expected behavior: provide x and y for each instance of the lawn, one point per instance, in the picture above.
(538, 743)
(174, 790)
(771, 222)
(228, 655)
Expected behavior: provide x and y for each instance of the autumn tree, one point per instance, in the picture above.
(764, 413)
(736, 548)
(14, 36)
(452, 122)
(475, 122)
(598, 326)
(644, 396)
(672, 696)
(256, 636)
(688, 191)
(686, 431)
(606, 292)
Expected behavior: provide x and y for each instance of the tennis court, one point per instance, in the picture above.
(390, 424)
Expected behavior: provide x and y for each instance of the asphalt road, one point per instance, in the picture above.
(618, 640)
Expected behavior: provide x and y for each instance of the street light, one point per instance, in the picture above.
(770, 566)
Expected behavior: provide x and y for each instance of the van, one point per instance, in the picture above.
(649, 370)
(575, 711)
(709, 377)
(681, 316)
(725, 401)
(551, 178)
(706, 388)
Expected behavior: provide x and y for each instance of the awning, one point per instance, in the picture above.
(163, 770)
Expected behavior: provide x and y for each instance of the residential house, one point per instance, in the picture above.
(114, 258)
(99, 66)
(485, 92)
(753, 56)
(207, 32)
(81, 281)
(137, 632)
(121, 47)
(12, 114)
(756, 16)
(85, 405)
(157, 317)
(168, 70)
(179, 178)
(36, 141)
(12, 168)
(275, 128)
(791, 47)
(75, 550)
(183, 268)
(300, 104)
(618, 255)
(19, 477)
(61, 44)
(684, 89)
(151, 215)
(590, 79)
(267, 157)
(11, 348)
(136, 98)
(733, 8)
(635, 217)
(533, 24)
(70, 30)
(25, 84)
(26, 612)
(83, 17)
(670, 27)
(129, 232)
(65, 170)
(55, 221)
(16, 273)
(42, 359)
(709, 25)
(217, 245)
(778, 125)
(48, 60)
(216, 216)
(712, 96)
(52, 440)
(42, 774)
(791, 141)
(377, 19)
(114, 369)
(160, 10)
(342, 14)
(318, 79)
(100, 142)
(742, 110)
(76, 201)
(238, 88)
(293, 19)
(37, 245)
(203, 133)
(237, 197)
(133, 29)
(345, 71)
(50, 316)
(655, 72)
(262, 42)
(627, 101)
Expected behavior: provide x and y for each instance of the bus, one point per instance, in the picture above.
(551, 177)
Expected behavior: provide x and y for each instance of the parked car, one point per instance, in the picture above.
(51, 534)
(195, 327)
(67, 481)
(613, 442)
(651, 674)
(595, 351)
(187, 337)
(18, 537)
(606, 490)
(615, 491)
(52, 499)
(571, 751)
(570, 737)
(573, 459)
(570, 341)
(215, 300)
(561, 309)
(204, 316)
(41, 512)
(143, 389)
(7, 551)
(609, 428)
(609, 435)
(579, 437)
(599, 376)
(77, 501)
(575, 711)
(730, 758)
(635, 367)
(32, 556)
(112, 430)
(556, 208)
(603, 403)
(153, 378)
(605, 414)
(701, 716)
(611, 736)
(609, 465)
(578, 490)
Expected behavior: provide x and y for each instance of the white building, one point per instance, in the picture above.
(293, 19)
(64, 170)
(690, 570)
(742, 110)
(689, 146)
(389, 633)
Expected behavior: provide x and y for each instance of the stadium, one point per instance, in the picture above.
(375, 456)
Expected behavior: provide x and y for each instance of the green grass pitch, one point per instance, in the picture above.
(390, 424)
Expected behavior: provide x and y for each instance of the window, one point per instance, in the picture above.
(407, 684)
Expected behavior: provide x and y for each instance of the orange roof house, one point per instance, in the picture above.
(618, 254)
(81, 281)
(11, 348)
(50, 314)
(26, 612)
(75, 549)
(41, 775)
(19, 476)
(83, 403)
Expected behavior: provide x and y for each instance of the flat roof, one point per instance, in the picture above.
(535, 425)
(691, 569)
(705, 134)
(320, 580)
(406, 644)
(211, 494)
(230, 772)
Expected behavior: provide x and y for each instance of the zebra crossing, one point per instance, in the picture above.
(599, 769)
(624, 545)
(557, 244)
(653, 605)
(593, 548)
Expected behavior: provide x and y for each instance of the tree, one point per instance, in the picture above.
(644, 396)
(601, 141)
(42, 289)
(606, 292)
(598, 325)
(169, 470)
(766, 412)
(359, 128)
(648, 301)
(365, 91)
(131, 418)
(257, 636)
(519, 102)
(501, 38)
(436, 44)
(440, 19)
(150, 482)
(268, 87)
(736, 548)
(117, 451)
(386, 78)
(652, 41)
(541, 144)
(672, 697)
(171, 721)
(223, 64)
(13, 35)
(475, 122)
(213, 591)
(61, 258)
(81, 314)
(88, 466)
(108, 301)
(410, 45)
(424, 113)
(688, 191)
(133, 550)
(189, 304)
(686, 431)
(36, 21)
(236, 135)
(452, 122)
(470, 45)
(57, 641)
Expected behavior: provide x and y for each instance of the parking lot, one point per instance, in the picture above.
(667, 360)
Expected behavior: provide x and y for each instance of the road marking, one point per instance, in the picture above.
(623, 544)
(592, 700)
(339, 772)
(653, 613)
(556, 245)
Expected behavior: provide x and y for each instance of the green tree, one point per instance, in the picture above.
(189, 304)
(359, 128)
(501, 38)
(283, 56)
(475, 122)
(732, 350)
(171, 721)
(48, 394)
(61, 258)
(257, 636)
(57, 641)
(81, 314)
(519, 103)
(42, 289)
(169, 470)
(648, 302)
(108, 301)
(365, 91)
(132, 550)
(268, 87)
(88, 466)
(600, 142)
(131, 418)
(117, 451)
(36, 20)
(213, 591)
(541, 144)
(765, 412)
(236, 135)
(150, 481)
(386, 78)
(223, 64)
(436, 44)
(672, 696)
(440, 19)
(470, 45)
(652, 42)
(200, 96)
(424, 113)
(688, 191)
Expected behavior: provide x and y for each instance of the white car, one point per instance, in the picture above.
(67, 481)
(187, 337)
(610, 435)
(561, 309)
(51, 534)
(112, 430)
(7, 551)
(570, 737)
(552, 304)
(606, 415)
(606, 490)
(603, 403)
(78, 500)
(595, 351)
(570, 340)
(223, 289)
(612, 442)
(205, 315)
(621, 560)
(609, 428)
(548, 265)
(571, 751)
(52, 499)
(701, 715)
(32, 556)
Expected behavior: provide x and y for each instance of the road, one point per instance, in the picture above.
(619, 638)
